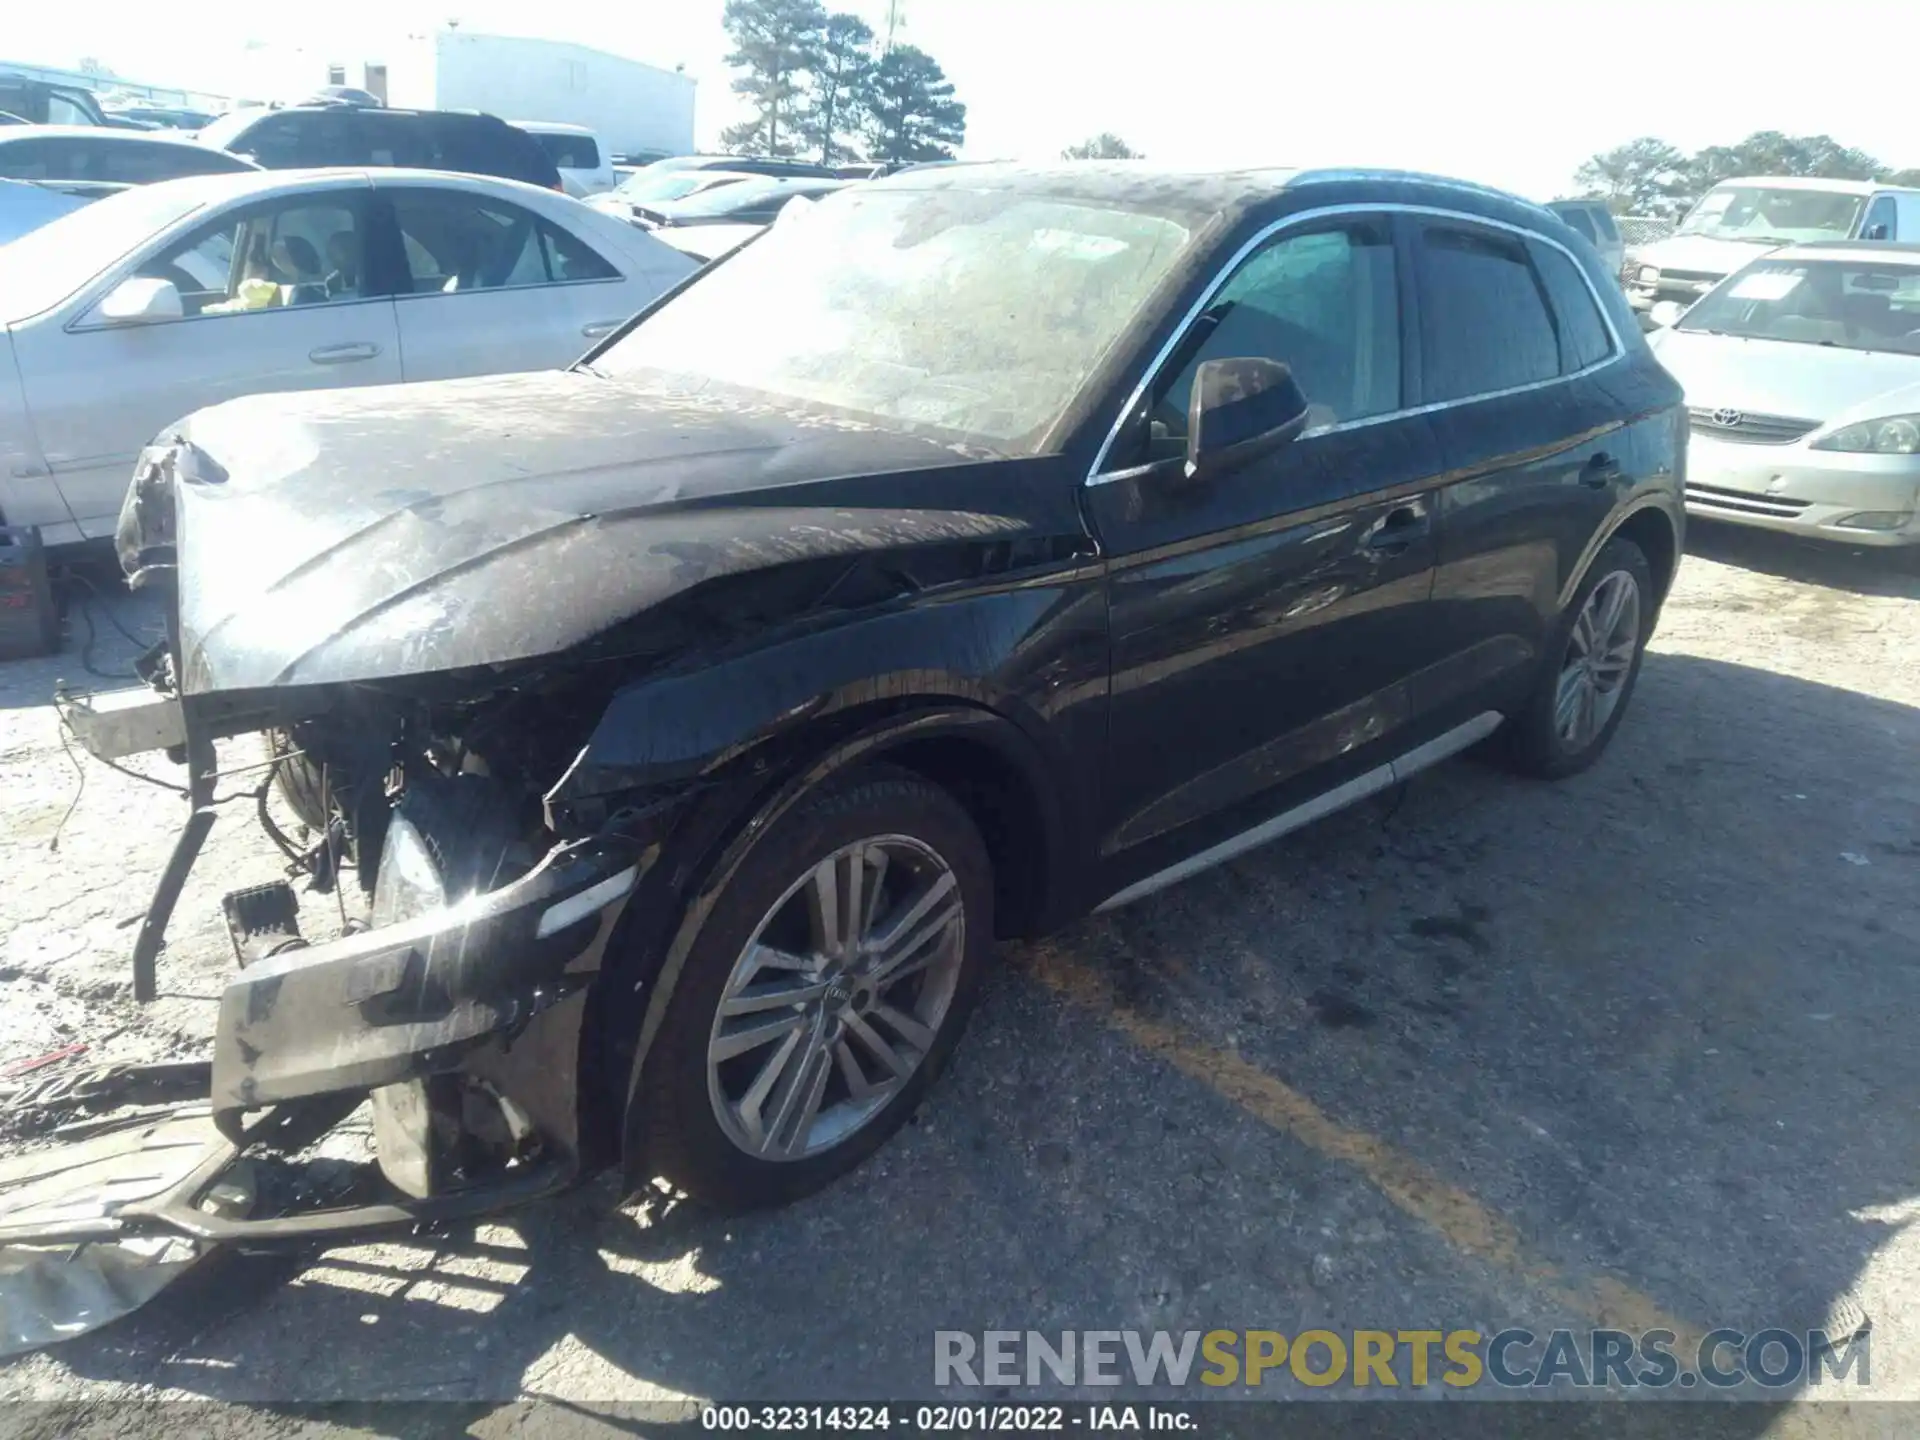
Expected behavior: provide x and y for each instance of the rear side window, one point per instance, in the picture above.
(38, 160)
(1583, 332)
(456, 242)
(401, 140)
(295, 141)
(477, 146)
(1578, 218)
(145, 164)
(571, 152)
(1484, 323)
(1603, 222)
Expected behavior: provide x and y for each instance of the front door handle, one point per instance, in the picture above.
(1395, 534)
(1599, 472)
(594, 329)
(343, 354)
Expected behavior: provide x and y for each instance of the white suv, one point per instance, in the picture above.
(583, 162)
(1738, 221)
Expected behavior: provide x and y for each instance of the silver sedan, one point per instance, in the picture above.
(1802, 375)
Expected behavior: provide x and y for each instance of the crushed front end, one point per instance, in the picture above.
(468, 915)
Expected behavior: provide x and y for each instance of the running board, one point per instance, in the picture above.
(1380, 778)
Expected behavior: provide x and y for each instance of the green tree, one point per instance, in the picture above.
(1905, 177)
(841, 67)
(911, 114)
(1769, 152)
(1641, 177)
(773, 41)
(1104, 146)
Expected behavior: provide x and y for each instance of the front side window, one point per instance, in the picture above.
(456, 242)
(1881, 223)
(978, 312)
(1858, 305)
(63, 111)
(1326, 304)
(1484, 323)
(1579, 221)
(275, 256)
(1772, 215)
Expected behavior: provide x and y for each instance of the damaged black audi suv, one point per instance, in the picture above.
(976, 549)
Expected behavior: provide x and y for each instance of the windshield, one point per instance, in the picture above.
(45, 266)
(1860, 305)
(977, 312)
(750, 194)
(657, 185)
(1761, 213)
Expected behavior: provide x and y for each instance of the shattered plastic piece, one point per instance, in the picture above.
(51, 1293)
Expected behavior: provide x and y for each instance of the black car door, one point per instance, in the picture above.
(1515, 371)
(1265, 621)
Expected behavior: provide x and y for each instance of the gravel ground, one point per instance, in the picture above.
(1486, 1053)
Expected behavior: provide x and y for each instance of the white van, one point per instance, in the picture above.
(583, 162)
(1739, 220)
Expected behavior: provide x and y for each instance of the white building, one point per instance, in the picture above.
(635, 108)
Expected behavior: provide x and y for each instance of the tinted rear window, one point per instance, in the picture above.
(1578, 218)
(1583, 333)
(1484, 324)
(570, 152)
(478, 145)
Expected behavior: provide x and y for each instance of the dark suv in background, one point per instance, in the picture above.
(307, 136)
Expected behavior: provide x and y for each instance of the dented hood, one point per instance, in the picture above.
(361, 534)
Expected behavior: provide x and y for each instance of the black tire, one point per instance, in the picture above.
(298, 780)
(679, 1135)
(1533, 743)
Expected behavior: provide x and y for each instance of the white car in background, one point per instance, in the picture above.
(134, 311)
(583, 162)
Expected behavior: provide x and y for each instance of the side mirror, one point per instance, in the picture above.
(140, 301)
(1665, 312)
(1876, 232)
(1240, 410)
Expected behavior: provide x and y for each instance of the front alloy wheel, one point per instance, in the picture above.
(837, 999)
(831, 975)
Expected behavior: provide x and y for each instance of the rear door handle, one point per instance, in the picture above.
(594, 329)
(1396, 534)
(343, 354)
(1602, 470)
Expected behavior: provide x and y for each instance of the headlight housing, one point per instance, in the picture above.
(409, 883)
(1649, 275)
(1892, 435)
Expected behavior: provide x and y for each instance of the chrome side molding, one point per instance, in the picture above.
(1379, 778)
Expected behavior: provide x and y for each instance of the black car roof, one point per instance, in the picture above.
(1198, 194)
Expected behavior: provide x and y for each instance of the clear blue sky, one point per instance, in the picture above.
(1509, 93)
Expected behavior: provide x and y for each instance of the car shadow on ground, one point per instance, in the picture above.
(1857, 570)
(103, 628)
(1655, 1020)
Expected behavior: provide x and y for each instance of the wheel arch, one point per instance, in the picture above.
(1650, 526)
(985, 760)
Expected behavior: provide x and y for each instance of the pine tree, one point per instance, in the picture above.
(773, 41)
(911, 112)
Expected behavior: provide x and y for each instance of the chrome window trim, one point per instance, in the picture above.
(1098, 475)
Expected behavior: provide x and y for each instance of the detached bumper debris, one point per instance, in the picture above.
(49, 1294)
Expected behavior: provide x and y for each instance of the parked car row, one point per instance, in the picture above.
(142, 307)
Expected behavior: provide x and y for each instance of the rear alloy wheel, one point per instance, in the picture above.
(1601, 650)
(1595, 653)
(825, 991)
